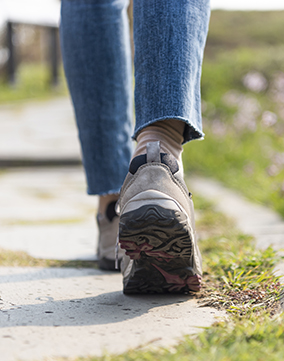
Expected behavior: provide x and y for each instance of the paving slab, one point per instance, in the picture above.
(73, 312)
(46, 213)
(39, 130)
(263, 223)
(69, 313)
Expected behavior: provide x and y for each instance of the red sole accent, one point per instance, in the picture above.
(133, 250)
(193, 282)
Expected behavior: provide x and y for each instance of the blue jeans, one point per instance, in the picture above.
(169, 38)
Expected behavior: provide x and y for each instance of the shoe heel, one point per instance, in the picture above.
(153, 231)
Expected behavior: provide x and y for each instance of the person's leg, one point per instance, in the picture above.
(169, 42)
(97, 60)
(157, 223)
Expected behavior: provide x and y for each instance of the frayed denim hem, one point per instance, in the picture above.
(190, 131)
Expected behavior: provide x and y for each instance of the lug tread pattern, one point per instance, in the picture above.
(159, 241)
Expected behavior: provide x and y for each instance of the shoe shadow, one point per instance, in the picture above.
(39, 302)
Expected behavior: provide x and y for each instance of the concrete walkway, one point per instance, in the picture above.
(38, 130)
(45, 212)
(69, 313)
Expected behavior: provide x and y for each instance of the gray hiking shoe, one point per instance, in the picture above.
(108, 231)
(157, 228)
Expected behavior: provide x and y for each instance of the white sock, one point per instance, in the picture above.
(170, 134)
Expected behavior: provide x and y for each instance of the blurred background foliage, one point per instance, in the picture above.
(243, 106)
(234, 29)
(242, 99)
(32, 58)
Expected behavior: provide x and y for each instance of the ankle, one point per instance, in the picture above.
(105, 200)
(170, 134)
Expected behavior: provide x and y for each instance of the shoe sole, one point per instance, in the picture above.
(159, 242)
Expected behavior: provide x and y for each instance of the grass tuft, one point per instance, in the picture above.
(22, 259)
(237, 277)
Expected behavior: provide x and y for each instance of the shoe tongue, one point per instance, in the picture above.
(153, 152)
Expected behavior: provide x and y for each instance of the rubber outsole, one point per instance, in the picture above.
(159, 242)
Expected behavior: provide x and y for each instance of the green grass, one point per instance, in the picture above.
(33, 82)
(22, 259)
(240, 341)
(237, 278)
(41, 222)
(232, 29)
(245, 153)
(240, 149)
(244, 126)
